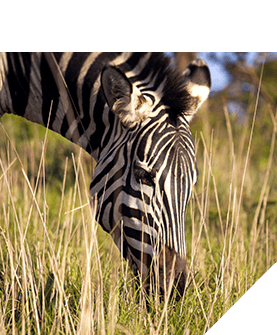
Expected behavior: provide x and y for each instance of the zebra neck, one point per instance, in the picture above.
(62, 91)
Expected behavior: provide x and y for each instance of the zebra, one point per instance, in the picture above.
(131, 112)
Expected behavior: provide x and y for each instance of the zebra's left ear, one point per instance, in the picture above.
(198, 83)
(124, 98)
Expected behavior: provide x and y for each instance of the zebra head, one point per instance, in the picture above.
(144, 175)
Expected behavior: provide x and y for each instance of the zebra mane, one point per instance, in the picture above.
(175, 94)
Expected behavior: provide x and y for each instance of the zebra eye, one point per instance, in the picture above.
(143, 176)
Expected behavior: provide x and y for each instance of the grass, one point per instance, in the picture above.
(61, 274)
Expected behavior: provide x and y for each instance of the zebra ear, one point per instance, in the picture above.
(123, 98)
(198, 83)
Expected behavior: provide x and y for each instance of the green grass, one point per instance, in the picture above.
(61, 274)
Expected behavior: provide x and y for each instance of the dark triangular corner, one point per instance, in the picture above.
(255, 312)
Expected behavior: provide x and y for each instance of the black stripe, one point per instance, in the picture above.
(73, 71)
(64, 126)
(18, 77)
(132, 212)
(50, 93)
(58, 56)
(144, 72)
(137, 235)
(132, 61)
(138, 254)
(110, 130)
(95, 138)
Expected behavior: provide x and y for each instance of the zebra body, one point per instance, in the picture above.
(131, 112)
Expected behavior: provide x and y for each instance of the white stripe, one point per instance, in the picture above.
(63, 63)
(80, 81)
(141, 64)
(71, 130)
(141, 247)
(121, 59)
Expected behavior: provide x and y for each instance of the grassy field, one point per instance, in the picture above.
(61, 274)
